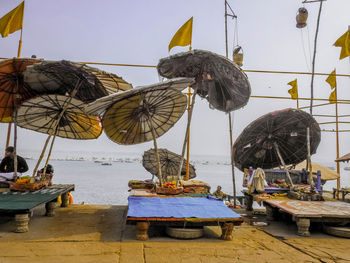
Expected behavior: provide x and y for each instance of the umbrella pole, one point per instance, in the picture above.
(283, 163)
(48, 156)
(160, 177)
(309, 166)
(8, 134)
(15, 147)
(41, 155)
(154, 143)
(232, 162)
(186, 135)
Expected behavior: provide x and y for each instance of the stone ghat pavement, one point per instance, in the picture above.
(91, 233)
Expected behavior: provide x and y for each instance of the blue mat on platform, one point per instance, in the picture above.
(179, 207)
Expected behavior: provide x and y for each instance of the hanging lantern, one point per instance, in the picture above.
(238, 56)
(301, 17)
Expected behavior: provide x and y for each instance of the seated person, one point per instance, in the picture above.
(218, 193)
(7, 165)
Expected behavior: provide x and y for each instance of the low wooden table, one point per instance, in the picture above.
(180, 212)
(304, 212)
(22, 203)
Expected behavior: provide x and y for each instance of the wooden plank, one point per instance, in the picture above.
(312, 209)
(26, 201)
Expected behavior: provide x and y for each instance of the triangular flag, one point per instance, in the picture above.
(12, 21)
(344, 43)
(183, 37)
(332, 80)
(333, 96)
(294, 90)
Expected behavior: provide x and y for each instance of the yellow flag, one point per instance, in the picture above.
(183, 37)
(12, 21)
(333, 96)
(344, 43)
(332, 80)
(294, 90)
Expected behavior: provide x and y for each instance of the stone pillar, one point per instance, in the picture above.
(65, 200)
(21, 222)
(303, 226)
(226, 231)
(269, 213)
(50, 208)
(142, 231)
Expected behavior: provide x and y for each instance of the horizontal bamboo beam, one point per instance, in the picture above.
(331, 122)
(335, 131)
(245, 70)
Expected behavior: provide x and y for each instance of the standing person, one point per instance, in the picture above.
(7, 166)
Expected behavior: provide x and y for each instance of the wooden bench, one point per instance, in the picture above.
(22, 203)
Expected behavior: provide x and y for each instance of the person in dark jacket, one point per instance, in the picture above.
(7, 164)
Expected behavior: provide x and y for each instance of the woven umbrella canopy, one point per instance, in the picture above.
(218, 79)
(283, 131)
(13, 89)
(99, 106)
(57, 115)
(169, 163)
(144, 114)
(62, 77)
(41, 113)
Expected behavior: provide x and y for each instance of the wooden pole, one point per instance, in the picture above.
(41, 157)
(188, 137)
(230, 121)
(337, 138)
(15, 147)
(232, 161)
(8, 134)
(314, 56)
(10, 123)
(160, 177)
(283, 163)
(309, 165)
(48, 156)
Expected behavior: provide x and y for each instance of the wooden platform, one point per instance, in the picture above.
(184, 212)
(304, 212)
(22, 203)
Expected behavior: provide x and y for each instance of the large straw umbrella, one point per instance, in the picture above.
(142, 114)
(60, 77)
(277, 138)
(218, 79)
(57, 115)
(169, 162)
(13, 91)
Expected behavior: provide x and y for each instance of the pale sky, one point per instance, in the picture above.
(138, 32)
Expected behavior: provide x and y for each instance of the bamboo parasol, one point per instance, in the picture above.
(276, 138)
(59, 77)
(144, 114)
(218, 79)
(13, 88)
(169, 162)
(57, 115)
(13, 91)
